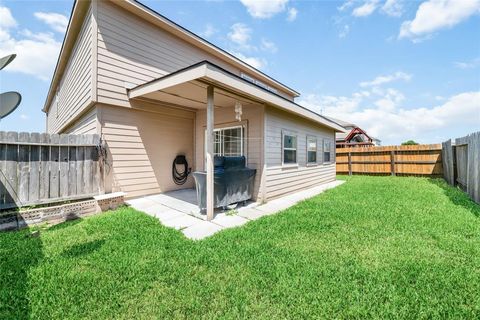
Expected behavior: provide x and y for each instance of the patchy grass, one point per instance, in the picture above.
(375, 247)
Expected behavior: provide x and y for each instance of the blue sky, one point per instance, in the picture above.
(399, 69)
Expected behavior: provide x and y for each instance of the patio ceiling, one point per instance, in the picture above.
(192, 94)
(187, 87)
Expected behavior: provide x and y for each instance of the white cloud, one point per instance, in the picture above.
(468, 64)
(263, 9)
(366, 9)
(23, 116)
(270, 46)
(292, 14)
(208, 31)
(6, 18)
(386, 79)
(434, 15)
(393, 8)
(393, 124)
(58, 22)
(344, 31)
(255, 62)
(346, 5)
(240, 33)
(36, 52)
(390, 99)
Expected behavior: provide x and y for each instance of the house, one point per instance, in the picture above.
(354, 136)
(154, 90)
(376, 142)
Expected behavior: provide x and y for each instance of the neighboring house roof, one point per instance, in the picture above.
(355, 132)
(351, 130)
(206, 72)
(342, 123)
(77, 16)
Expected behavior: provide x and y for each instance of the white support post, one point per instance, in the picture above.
(210, 141)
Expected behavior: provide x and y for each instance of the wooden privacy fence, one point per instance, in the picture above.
(462, 164)
(422, 160)
(41, 168)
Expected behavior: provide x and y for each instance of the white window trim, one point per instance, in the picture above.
(316, 150)
(226, 127)
(323, 151)
(292, 134)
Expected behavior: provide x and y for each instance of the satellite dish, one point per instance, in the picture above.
(9, 101)
(6, 60)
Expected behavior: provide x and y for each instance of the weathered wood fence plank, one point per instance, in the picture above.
(447, 159)
(23, 167)
(88, 176)
(466, 154)
(72, 165)
(44, 166)
(64, 165)
(34, 161)
(54, 183)
(81, 164)
(41, 168)
(11, 168)
(3, 163)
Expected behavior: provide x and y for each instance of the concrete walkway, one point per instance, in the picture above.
(178, 209)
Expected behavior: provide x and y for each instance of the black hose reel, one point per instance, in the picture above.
(180, 177)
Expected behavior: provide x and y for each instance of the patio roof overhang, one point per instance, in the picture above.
(187, 87)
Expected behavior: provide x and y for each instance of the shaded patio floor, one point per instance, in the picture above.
(179, 210)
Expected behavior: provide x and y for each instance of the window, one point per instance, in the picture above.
(311, 150)
(327, 151)
(289, 148)
(228, 141)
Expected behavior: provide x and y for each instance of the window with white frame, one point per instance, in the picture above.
(228, 141)
(327, 151)
(289, 146)
(311, 150)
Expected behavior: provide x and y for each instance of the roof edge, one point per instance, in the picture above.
(329, 123)
(77, 16)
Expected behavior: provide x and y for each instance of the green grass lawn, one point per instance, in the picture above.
(375, 247)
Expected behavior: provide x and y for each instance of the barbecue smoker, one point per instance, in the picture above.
(233, 182)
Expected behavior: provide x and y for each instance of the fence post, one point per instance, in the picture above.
(392, 162)
(473, 178)
(349, 163)
(447, 159)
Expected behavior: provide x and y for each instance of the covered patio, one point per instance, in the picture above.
(201, 87)
(179, 210)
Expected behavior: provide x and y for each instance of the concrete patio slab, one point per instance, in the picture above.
(181, 222)
(155, 209)
(164, 216)
(178, 209)
(141, 203)
(201, 230)
(275, 205)
(174, 203)
(229, 221)
(251, 213)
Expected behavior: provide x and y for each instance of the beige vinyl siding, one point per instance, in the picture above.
(142, 145)
(74, 92)
(285, 179)
(132, 51)
(86, 124)
(252, 118)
